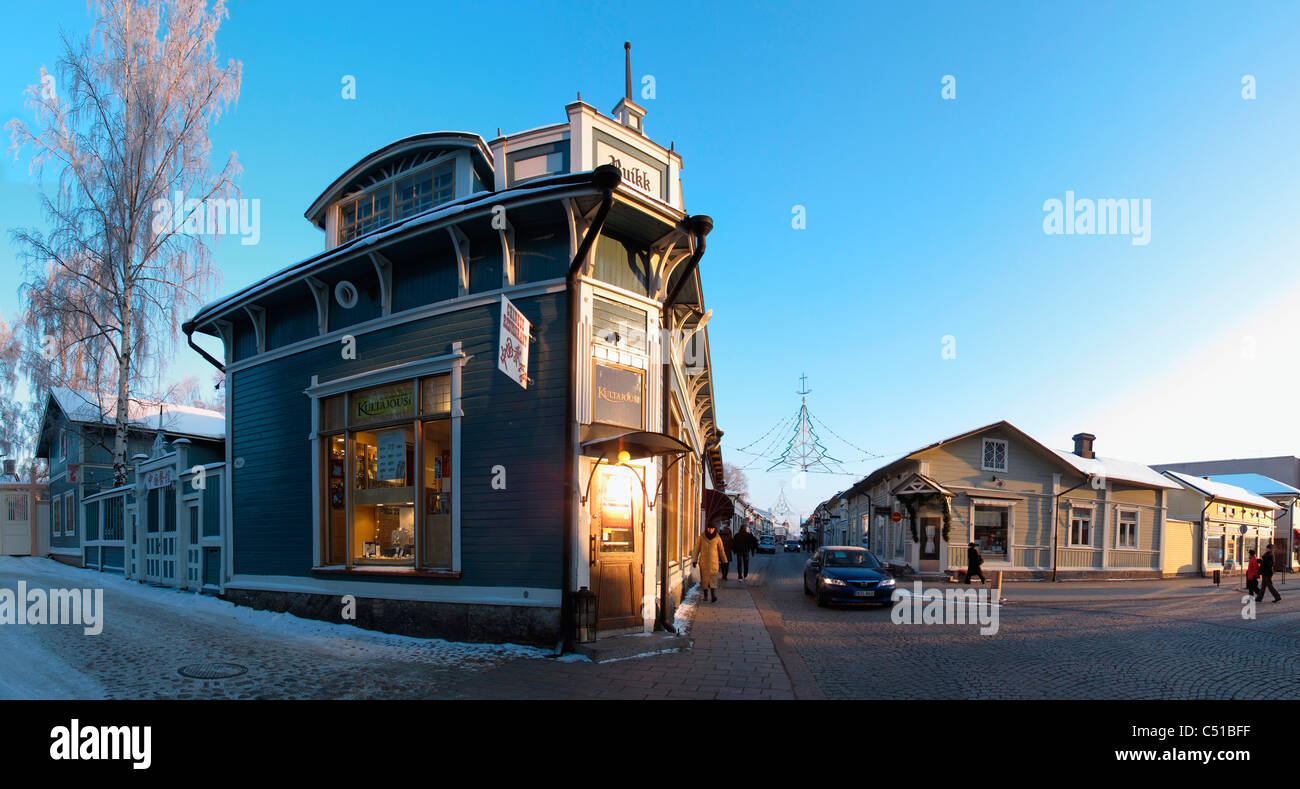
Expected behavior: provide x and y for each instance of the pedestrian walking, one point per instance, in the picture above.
(742, 546)
(709, 556)
(974, 563)
(725, 534)
(1266, 576)
(1252, 575)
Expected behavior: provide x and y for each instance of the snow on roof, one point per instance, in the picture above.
(85, 407)
(1122, 470)
(1256, 483)
(1222, 490)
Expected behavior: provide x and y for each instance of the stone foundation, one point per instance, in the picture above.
(532, 625)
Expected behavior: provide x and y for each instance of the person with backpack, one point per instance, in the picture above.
(973, 564)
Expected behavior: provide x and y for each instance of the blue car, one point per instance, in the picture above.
(843, 574)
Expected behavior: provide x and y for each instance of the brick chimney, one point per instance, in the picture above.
(1083, 444)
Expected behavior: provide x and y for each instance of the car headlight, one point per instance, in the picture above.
(886, 582)
(832, 581)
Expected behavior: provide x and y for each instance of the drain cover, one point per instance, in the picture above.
(212, 670)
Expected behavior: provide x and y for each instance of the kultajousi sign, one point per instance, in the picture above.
(383, 403)
(617, 396)
(512, 346)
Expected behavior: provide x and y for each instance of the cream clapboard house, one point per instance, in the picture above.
(1217, 525)
(1032, 511)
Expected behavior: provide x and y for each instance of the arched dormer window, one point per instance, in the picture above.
(401, 180)
(405, 192)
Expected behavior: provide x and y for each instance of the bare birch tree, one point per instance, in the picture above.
(125, 127)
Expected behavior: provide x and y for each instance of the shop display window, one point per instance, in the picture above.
(387, 469)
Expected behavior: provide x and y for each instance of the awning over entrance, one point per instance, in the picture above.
(717, 506)
(639, 444)
(921, 485)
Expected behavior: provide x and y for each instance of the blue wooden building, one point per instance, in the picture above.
(76, 439)
(396, 462)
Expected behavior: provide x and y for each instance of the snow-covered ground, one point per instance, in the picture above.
(170, 627)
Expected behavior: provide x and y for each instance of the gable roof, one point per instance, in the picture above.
(1221, 490)
(1122, 470)
(1111, 468)
(84, 408)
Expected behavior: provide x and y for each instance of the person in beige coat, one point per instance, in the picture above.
(710, 554)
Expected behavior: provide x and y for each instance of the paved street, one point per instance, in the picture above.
(1058, 641)
(763, 639)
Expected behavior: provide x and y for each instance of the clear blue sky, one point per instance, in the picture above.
(924, 216)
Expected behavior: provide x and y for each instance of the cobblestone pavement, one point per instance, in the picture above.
(763, 639)
(1192, 647)
(732, 657)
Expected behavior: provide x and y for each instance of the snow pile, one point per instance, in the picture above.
(685, 614)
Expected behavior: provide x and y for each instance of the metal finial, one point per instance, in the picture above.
(627, 69)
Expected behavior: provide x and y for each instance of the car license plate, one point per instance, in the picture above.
(862, 593)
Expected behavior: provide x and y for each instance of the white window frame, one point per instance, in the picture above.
(1006, 449)
(1010, 508)
(1092, 520)
(1120, 512)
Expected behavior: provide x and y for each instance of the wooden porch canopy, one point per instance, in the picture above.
(920, 485)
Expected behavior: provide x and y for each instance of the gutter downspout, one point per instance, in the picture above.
(606, 178)
(188, 328)
(1056, 507)
(700, 226)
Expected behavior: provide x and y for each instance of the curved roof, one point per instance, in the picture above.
(377, 161)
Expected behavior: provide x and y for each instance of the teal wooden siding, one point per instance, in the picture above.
(509, 537)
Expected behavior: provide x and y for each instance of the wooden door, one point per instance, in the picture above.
(931, 537)
(617, 548)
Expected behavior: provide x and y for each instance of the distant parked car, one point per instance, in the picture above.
(792, 546)
(767, 544)
(843, 574)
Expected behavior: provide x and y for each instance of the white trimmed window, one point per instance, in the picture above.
(388, 445)
(397, 199)
(994, 456)
(1081, 527)
(1127, 533)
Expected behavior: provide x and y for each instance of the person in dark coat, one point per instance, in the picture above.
(727, 540)
(973, 564)
(1266, 576)
(742, 545)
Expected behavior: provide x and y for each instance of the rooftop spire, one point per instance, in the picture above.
(627, 70)
(627, 112)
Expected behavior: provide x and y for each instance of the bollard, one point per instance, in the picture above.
(999, 586)
(1216, 577)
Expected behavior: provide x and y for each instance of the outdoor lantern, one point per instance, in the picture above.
(584, 614)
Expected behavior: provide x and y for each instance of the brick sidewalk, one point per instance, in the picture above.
(732, 657)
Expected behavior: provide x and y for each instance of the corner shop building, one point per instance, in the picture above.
(377, 449)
